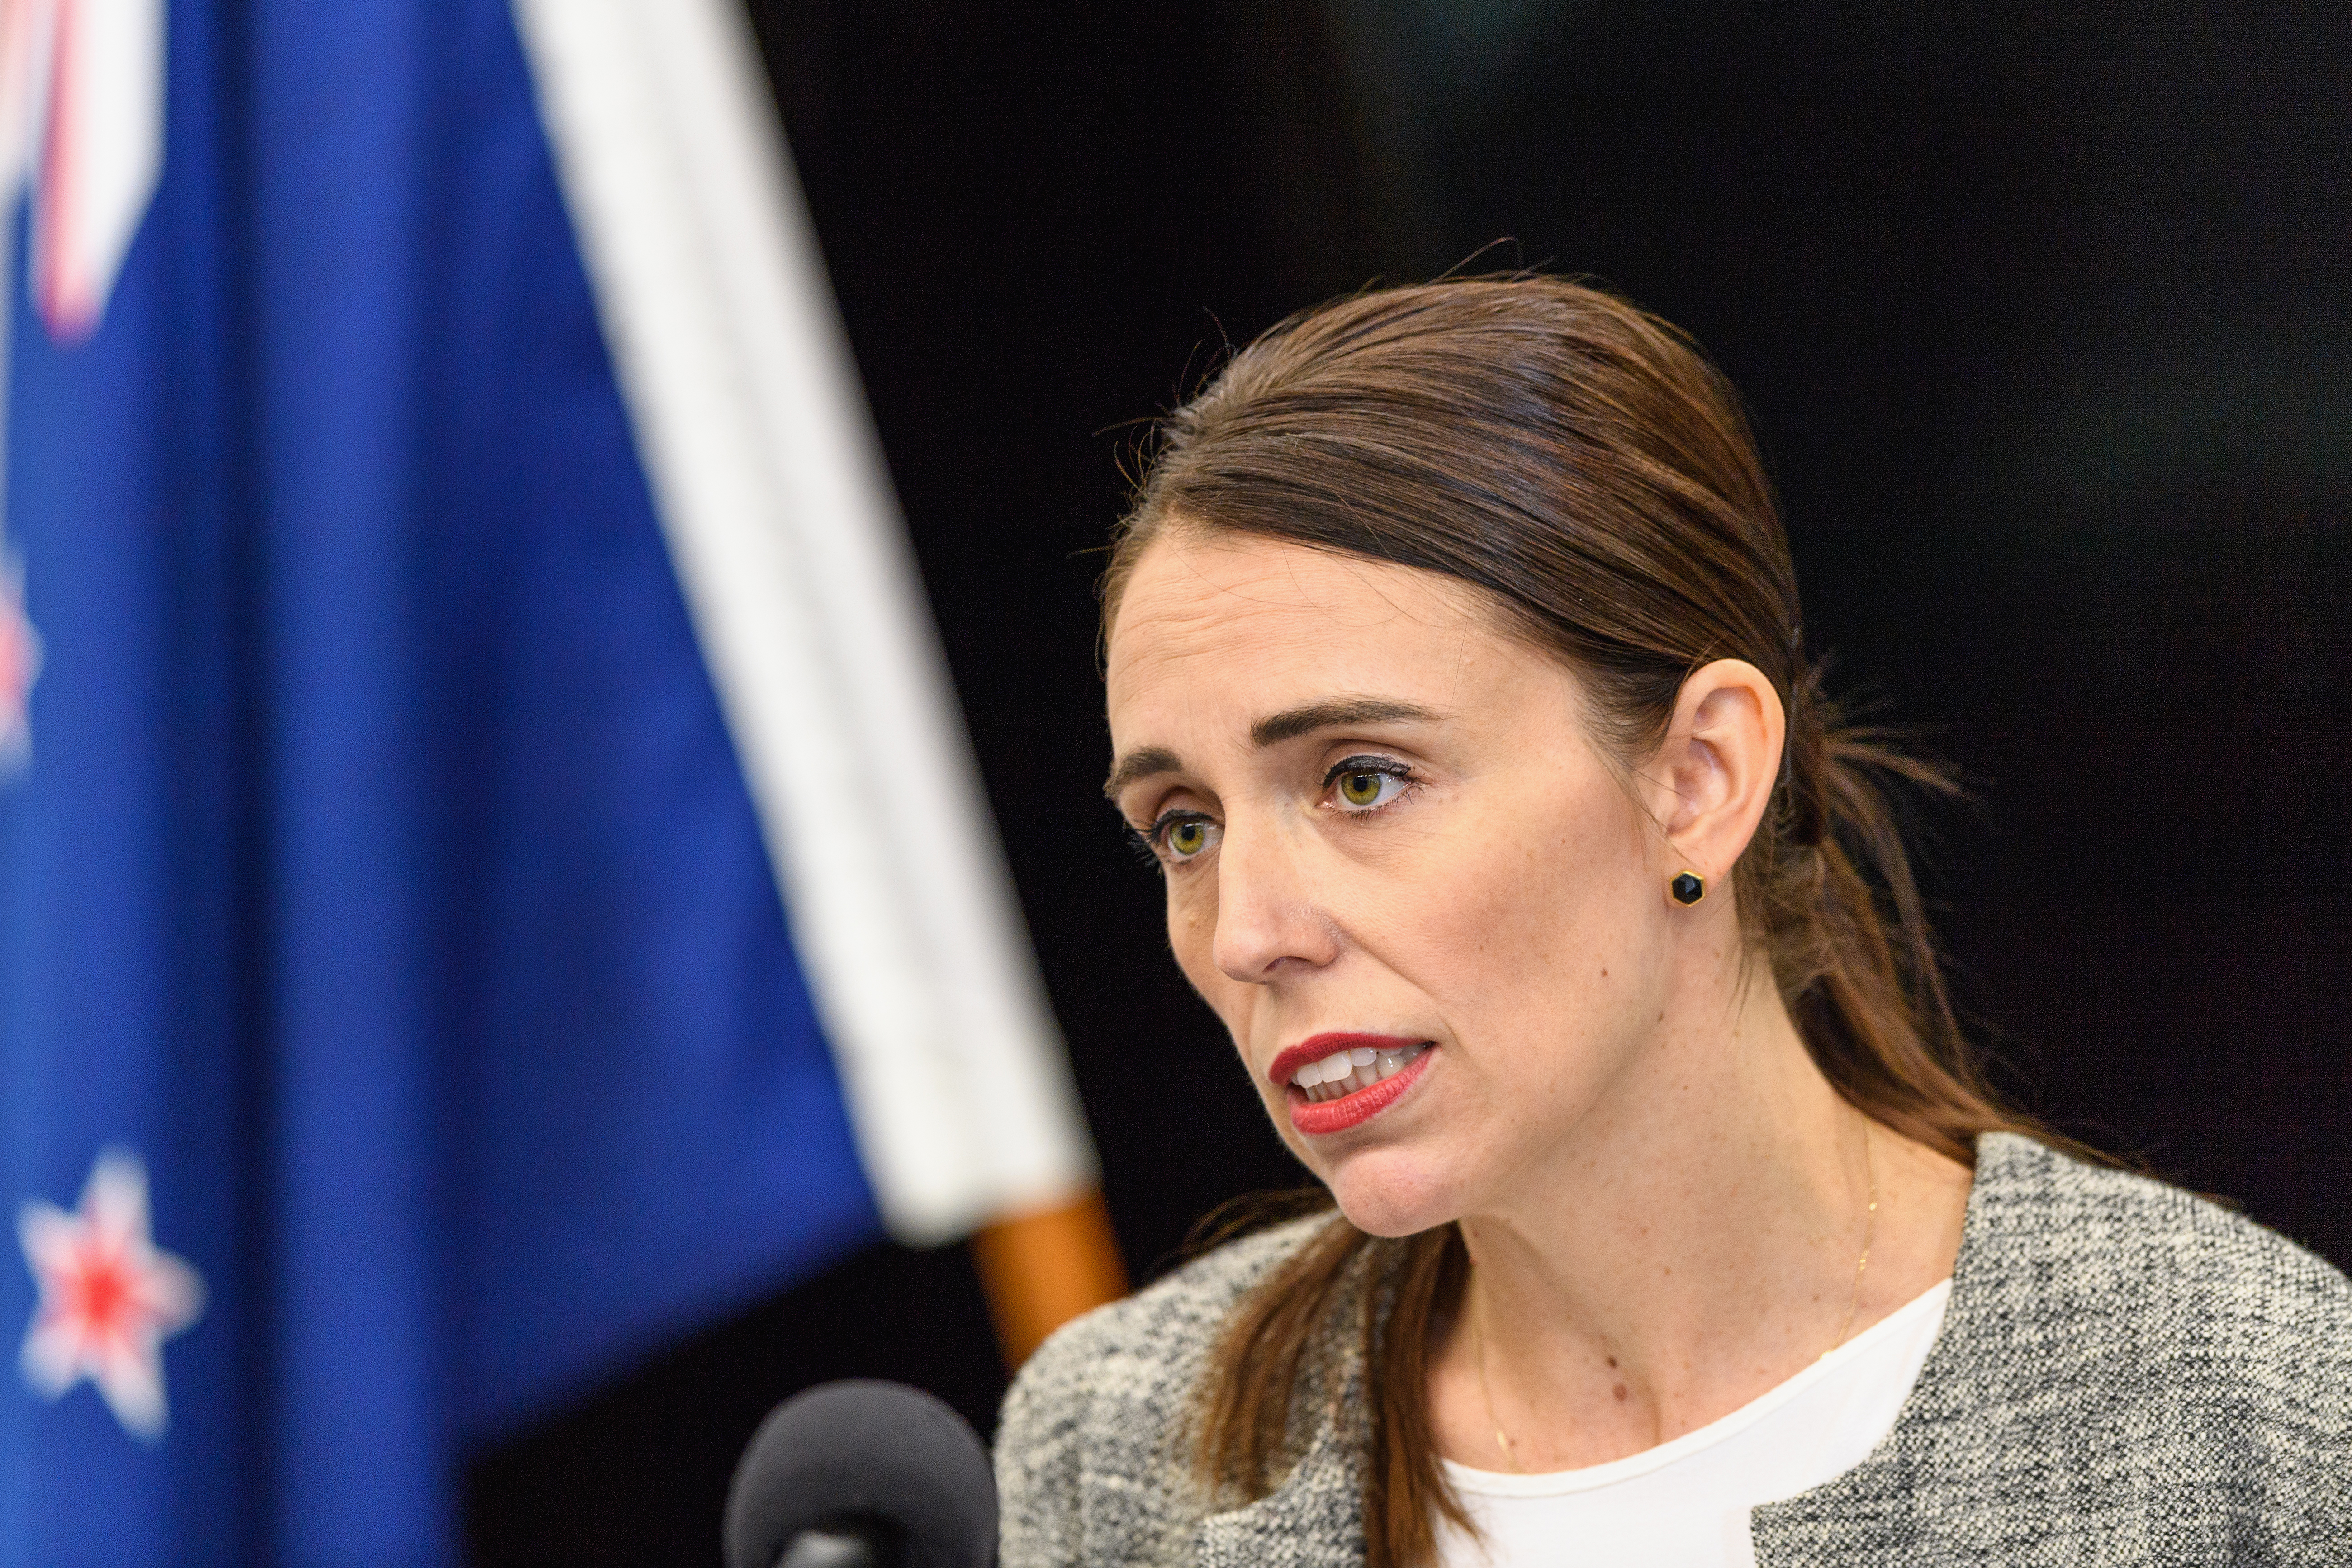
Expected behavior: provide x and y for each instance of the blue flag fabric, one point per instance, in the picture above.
(385, 930)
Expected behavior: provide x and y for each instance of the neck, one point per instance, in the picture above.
(1693, 1244)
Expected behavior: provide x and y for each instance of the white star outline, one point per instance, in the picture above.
(109, 1297)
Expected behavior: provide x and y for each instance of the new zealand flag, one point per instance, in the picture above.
(489, 872)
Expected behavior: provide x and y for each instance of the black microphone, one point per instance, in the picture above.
(862, 1474)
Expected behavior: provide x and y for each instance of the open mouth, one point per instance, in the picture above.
(1343, 1072)
(1338, 1081)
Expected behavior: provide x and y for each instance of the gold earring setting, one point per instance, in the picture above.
(1687, 887)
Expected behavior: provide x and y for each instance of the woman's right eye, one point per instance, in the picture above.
(1184, 835)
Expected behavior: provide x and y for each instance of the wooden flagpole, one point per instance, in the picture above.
(1043, 1268)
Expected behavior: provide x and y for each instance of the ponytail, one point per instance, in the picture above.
(1843, 921)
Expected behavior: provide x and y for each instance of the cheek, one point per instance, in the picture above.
(1192, 934)
(1539, 927)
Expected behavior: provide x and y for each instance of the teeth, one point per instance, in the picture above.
(1344, 1072)
(1330, 1070)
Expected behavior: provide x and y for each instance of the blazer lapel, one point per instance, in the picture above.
(1314, 1520)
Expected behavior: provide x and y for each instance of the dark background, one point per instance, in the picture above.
(2045, 314)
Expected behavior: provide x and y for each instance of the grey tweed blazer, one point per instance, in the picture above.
(2126, 1374)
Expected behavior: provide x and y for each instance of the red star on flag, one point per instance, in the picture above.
(20, 661)
(108, 1298)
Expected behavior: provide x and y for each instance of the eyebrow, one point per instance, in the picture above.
(1292, 722)
(1275, 729)
(1141, 764)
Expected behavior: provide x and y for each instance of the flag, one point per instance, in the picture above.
(491, 874)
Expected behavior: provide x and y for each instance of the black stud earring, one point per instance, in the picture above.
(1689, 887)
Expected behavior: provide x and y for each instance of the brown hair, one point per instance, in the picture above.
(1583, 463)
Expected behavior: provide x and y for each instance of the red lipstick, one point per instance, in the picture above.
(1315, 1118)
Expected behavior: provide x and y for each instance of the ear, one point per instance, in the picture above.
(1712, 778)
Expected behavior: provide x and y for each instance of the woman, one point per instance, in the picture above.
(1455, 685)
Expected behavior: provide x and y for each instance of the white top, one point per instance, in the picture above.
(1684, 1504)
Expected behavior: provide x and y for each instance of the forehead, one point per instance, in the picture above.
(1258, 622)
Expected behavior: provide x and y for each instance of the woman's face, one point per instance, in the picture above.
(1384, 829)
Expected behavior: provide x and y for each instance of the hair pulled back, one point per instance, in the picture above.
(1580, 463)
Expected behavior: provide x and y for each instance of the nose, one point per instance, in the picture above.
(1269, 921)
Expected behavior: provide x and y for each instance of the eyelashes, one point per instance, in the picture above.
(1364, 785)
(1165, 840)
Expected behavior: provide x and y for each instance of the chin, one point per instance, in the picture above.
(1391, 1193)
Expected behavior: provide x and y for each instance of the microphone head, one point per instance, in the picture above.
(867, 1456)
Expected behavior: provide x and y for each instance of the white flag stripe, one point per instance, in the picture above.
(777, 506)
(102, 152)
(24, 54)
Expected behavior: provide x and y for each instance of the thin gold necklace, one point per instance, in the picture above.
(1869, 1233)
(1478, 1324)
(1853, 1304)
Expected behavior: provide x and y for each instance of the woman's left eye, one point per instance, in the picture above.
(1366, 784)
